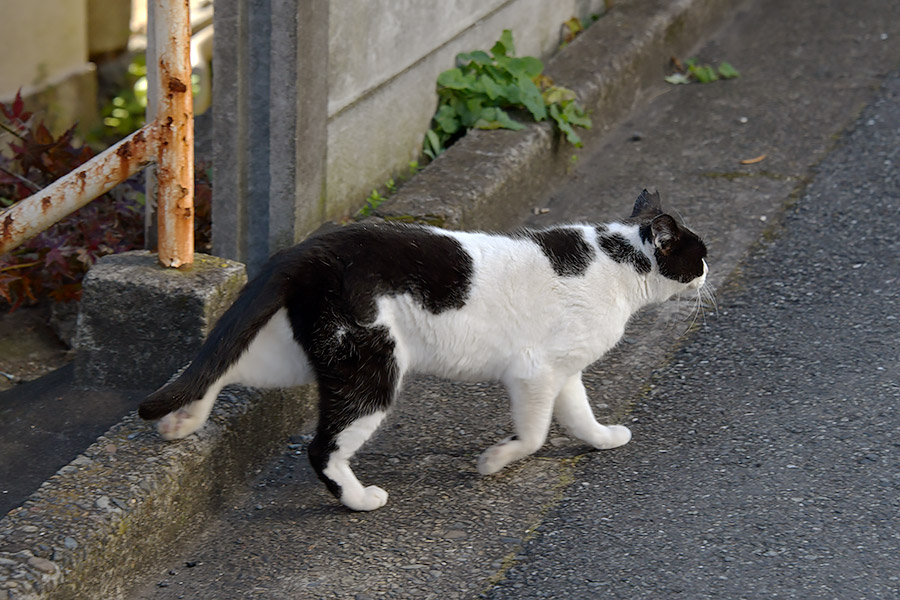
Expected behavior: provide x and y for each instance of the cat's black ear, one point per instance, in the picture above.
(665, 233)
(647, 204)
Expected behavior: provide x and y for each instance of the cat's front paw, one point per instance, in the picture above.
(371, 498)
(497, 456)
(612, 436)
(178, 424)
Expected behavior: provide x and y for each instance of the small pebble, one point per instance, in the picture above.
(743, 120)
(70, 543)
(42, 564)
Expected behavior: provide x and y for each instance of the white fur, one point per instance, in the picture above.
(521, 324)
(353, 495)
(273, 359)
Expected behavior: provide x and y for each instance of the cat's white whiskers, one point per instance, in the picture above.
(703, 298)
(693, 317)
(709, 298)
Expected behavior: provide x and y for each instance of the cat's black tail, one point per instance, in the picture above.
(257, 302)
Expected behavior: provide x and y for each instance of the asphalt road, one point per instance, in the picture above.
(766, 460)
(762, 464)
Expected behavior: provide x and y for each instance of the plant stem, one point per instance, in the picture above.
(34, 187)
(12, 131)
(20, 266)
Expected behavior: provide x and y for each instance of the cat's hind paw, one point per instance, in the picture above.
(370, 498)
(178, 424)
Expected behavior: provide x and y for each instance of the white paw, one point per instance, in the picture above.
(496, 457)
(371, 498)
(178, 424)
(613, 437)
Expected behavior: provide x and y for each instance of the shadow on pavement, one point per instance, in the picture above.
(45, 423)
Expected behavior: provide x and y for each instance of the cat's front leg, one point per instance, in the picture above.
(532, 408)
(573, 411)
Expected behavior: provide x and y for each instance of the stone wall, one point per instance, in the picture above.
(46, 48)
(384, 59)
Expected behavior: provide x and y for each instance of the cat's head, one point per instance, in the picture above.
(679, 252)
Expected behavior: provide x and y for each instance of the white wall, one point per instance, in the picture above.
(44, 42)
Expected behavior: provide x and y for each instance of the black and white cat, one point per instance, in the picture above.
(359, 308)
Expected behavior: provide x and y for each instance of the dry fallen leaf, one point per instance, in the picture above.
(753, 161)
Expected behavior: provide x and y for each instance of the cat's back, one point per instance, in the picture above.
(352, 266)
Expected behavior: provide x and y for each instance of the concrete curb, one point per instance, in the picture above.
(102, 520)
(105, 519)
(488, 177)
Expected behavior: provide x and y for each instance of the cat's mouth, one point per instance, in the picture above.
(699, 282)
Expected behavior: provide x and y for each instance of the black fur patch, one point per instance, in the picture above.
(620, 250)
(358, 384)
(327, 281)
(684, 262)
(344, 271)
(261, 298)
(334, 282)
(566, 249)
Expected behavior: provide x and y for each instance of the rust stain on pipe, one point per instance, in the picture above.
(168, 140)
(175, 85)
(175, 172)
(67, 194)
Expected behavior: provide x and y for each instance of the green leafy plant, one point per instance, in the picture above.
(52, 264)
(478, 93)
(376, 198)
(126, 111)
(691, 71)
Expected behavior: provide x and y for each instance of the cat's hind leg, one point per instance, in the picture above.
(532, 407)
(188, 419)
(330, 457)
(272, 359)
(356, 388)
(573, 411)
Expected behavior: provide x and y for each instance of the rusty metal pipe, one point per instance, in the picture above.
(67, 194)
(175, 127)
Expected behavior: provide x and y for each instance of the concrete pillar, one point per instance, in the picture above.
(140, 322)
(270, 100)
